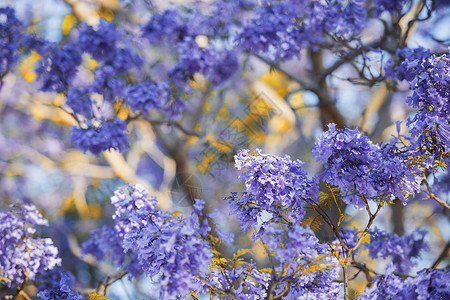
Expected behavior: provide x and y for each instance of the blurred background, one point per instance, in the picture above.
(260, 106)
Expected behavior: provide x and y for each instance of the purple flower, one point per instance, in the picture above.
(174, 249)
(145, 96)
(363, 169)
(391, 6)
(10, 39)
(275, 185)
(245, 281)
(79, 101)
(107, 83)
(108, 135)
(21, 253)
(283, 28)
(56, 284)
(428, 284)
(401, 249)
(58, 66)
(226, 66)
(408, 59)
(100, 43)
(169, 26)
(297, 248)
(430, 126)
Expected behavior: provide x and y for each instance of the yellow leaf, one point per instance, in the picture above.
(278, 81)
(26, 69)
(108, 14)
(241, 252)
(4, 279)
(68, 23)
(95, 296)
(314, 222)
(219, 261)
(266, 270)
(204, 164)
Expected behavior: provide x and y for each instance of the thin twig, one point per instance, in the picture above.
(431, 194)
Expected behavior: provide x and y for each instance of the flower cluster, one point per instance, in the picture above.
(179, 29)
(105, 244)
(305, 267)
(283, 28)
(100, 43)
(401, 249)
(428, 284)
(362, 169)
(407, 59)
(391, 6)
(430, 126)
(225, 15)
(169, 26)
(58, 67)
(57, 284)
(10, 39)
(106, 83)
(22, 255)
(103, 44)
(145, 96)
(216, 65)
(276, 188)
(108, 135)
(243, 279)
(79, 101)
(172, 248)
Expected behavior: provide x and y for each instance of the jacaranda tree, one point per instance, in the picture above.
(121, 124)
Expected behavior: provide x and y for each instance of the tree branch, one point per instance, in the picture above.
(431, 194)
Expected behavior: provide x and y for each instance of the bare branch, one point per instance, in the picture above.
(431, 194)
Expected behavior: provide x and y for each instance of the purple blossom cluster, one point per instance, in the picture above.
(169, 26)
(284, 28)
(108, 45)
(401, 249)
(145, 96)
(22, 255)
(430, 126)
(428, 284)
(58, 67)
(178, 29)
(11, 35)
(306, 267)
(107, 83)
(100, 43)
(363, 170)
(57, 284)
(192, 58)
(107, 135)
(275, 185)
(223, 17)
(79, 100)
(391, 6)
(57, 71)
(406, 58)
(245, 281)
(105, 245)
(172, 249)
